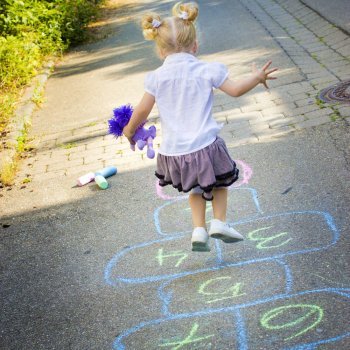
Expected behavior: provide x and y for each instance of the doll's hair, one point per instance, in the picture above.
(172, 34)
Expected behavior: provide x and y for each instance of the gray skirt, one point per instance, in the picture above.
(208, 168)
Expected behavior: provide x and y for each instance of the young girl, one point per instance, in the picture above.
(191, 157)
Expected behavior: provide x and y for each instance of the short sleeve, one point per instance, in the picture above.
(219, 73)
(150, 83)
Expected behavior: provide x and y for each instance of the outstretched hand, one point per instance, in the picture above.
(264, 73)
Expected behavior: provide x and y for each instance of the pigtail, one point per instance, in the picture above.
(186, 11)
(150, 23)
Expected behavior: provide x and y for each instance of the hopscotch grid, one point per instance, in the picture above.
(288, 275)
(114, 260)
(240, 330)
(315, 345)
(182, 198)
(166, 296)
(219, 259)
(117, 345)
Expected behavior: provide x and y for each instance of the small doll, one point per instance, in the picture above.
(143, 137)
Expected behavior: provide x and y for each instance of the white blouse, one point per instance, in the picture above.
(183, 90)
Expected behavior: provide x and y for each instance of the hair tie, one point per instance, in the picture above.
(183, 15)
(156, 23)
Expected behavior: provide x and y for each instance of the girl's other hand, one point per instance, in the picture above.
(264, 73)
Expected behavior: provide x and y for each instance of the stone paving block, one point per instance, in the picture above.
(305, 102)
(79, 155)
(56, 135)
(302, 110)
(128, 160)
(221, 117)
(64, 165)
(112, 157)
(96, 143)
(258, 106)
(221, 98)
(217, 108)
(335, 37)
(238, 125)
(319, 113)
(112, 149)
(284, 80)
(344, 111)
(38, 169)
(285, 108)
(267, 118)
(312, 122)
(90, 131)
(336, 64)
(272, 117)
(280, 101)
(87, 159)
(306, 40)
(57, 159)
(312, 68)
(340, 44)
(96, 162)
(80, 139)
(259, 127)
(342, 72)
(317, 48)
(287, 121)
(49, 176)
(319, 26)
(327, 55)
(62, 150)
(249, 116)
(317, 75)
(250, 108)
(48, 144)
(345, 51)
(273, 133)
(306, 94)
(226, 134)
(237, 141)
(328, 80)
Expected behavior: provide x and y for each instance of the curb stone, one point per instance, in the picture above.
(23, 116)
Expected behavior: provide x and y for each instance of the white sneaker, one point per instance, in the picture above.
(223, 231)
(200, 240)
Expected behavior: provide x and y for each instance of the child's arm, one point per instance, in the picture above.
(240, 87)
(139, 115)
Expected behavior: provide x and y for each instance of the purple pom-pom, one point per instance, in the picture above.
(121, 117)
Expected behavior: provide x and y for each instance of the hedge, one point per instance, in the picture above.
(30, 31)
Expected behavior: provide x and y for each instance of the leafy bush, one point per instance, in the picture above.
(31, 30)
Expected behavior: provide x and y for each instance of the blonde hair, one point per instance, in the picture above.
(172, 34)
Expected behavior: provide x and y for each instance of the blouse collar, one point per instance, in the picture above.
(179, 57)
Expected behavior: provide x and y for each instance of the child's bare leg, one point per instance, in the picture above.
(198, 206)
(218, 227)
(199, 235)
(220, 203)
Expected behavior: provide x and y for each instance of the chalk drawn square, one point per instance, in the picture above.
(225, 287)
(175, 216)
(279, 235)
(185, 332)
(307, 320)
(158, 260)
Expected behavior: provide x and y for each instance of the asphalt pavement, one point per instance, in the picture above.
(85, 268)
